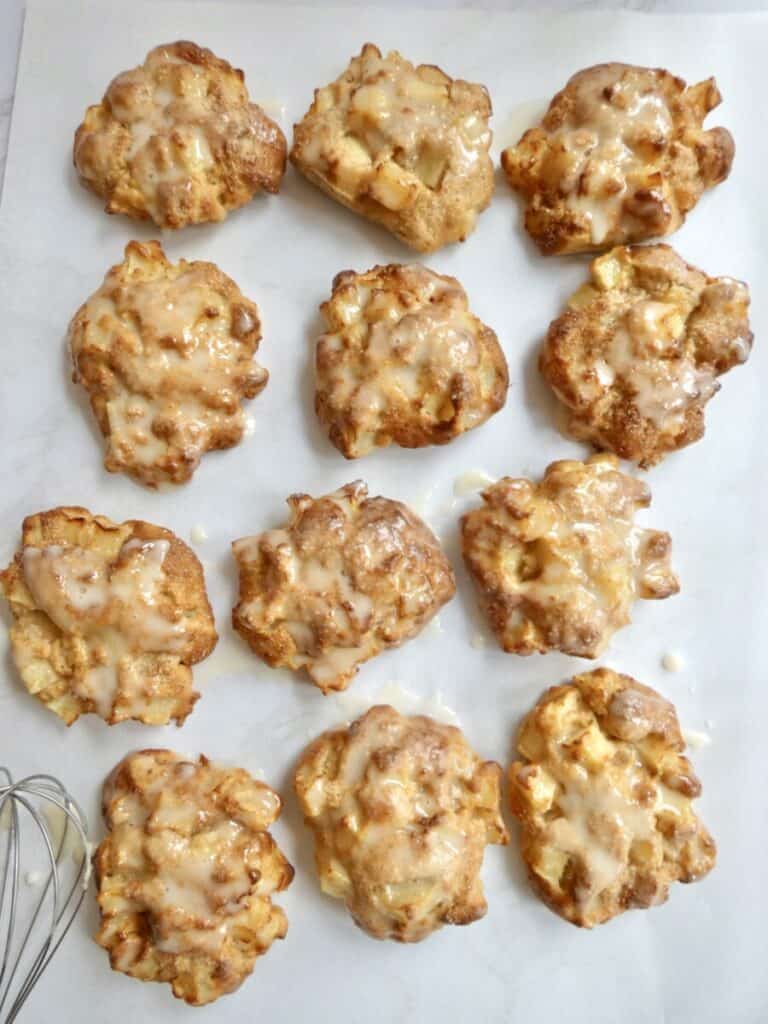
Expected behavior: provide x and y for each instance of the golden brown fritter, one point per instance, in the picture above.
(109, 618)
(166, 353)
(347, 577)
(406, 147)
(620, 156)
(604, 795)
(404, 361)
(638, 351)
(402, 809)
(177, 140)
(187, 872)
(559, 564)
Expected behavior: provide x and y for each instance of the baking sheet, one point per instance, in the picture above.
(701, 956)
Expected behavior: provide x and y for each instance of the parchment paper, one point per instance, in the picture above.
(701, 957)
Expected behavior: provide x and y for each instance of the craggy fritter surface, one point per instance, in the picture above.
(166, 353)
(347, 577)
(186, 873)
(402, 809)
(604, 795)
(177, 140)
(559, 564)
(404, 361)
(407, 147)
(620, 156)
(637, 353)
(109, 618)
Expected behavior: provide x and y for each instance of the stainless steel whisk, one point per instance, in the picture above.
(44, 825)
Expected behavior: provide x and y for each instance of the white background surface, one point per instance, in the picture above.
(698, 958)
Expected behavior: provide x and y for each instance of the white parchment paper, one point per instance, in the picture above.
(701, 957)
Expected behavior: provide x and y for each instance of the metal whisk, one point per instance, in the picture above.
(47, 847)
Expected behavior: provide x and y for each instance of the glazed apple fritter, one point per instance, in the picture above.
(604, 794)
(620, 156)
(402, 810)
(346, 578)
(406, 147)
(637, 353)
(108, 618)
(187, 872)
(166, 354)
(559, 564)
(177, 140)
(404, 361)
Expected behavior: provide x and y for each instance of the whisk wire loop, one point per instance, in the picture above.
(56, 819)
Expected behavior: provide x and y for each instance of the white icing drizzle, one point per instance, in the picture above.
(696, 739)
(205, 862)
(403, 129)
(664, 385)
(179, 343)
(89, 852)
(600, 138)
(471, 482)
(401, 342)
(346, 577)
(570, 553)
(114, 606)
(673, 662)
(273, 108)
(601, 820)
(175, 126)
